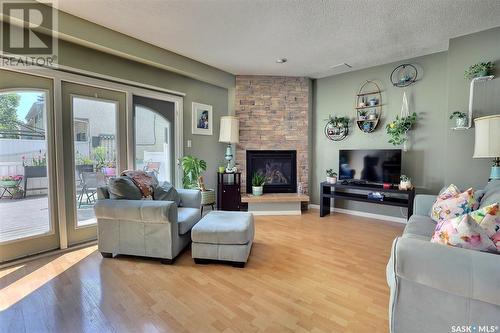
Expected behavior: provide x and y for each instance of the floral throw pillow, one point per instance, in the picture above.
(451, 191)
(454, 206)
(464, 232)
(489, 219)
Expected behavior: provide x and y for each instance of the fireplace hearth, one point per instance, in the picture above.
(278, 166)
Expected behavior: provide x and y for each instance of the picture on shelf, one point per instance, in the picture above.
(202, 120)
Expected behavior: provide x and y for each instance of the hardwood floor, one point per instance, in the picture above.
(305, 274)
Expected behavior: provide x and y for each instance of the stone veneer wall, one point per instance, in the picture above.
(273, 113)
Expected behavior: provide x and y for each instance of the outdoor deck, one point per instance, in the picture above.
(21, 218)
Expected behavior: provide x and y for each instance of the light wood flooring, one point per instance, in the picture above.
(305, 274)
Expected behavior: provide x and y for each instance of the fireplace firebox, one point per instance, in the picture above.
(278, 166)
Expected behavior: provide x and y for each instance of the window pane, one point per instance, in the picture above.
(153, 148)
(24, 202)
(94, 126)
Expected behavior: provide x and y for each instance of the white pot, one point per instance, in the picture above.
(461, 122)
(405, 185)
(257, 190)
(331, 180)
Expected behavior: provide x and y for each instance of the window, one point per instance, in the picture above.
(81, 130)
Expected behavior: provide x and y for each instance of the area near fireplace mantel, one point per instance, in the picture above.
(274, 116)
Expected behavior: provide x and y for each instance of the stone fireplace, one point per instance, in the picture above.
(274, 116)
(279, 167)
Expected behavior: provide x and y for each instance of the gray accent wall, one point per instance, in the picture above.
(437, 155)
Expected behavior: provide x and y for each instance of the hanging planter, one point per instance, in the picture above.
(398, 129)
(337, 128)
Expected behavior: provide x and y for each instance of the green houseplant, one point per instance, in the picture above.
(479, 69)
(331, 176)
(460, 118)
(398, 128)
(192, 168)
(404, 182)
(258, 181)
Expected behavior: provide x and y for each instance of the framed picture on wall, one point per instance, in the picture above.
(202, 120)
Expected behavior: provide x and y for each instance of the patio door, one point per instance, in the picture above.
(28, 214)
(94, 129)
(155, 137)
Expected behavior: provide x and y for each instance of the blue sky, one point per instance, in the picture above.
(27, 100)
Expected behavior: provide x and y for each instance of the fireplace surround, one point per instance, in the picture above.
(278, 166)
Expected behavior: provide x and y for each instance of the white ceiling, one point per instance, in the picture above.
(247, 36)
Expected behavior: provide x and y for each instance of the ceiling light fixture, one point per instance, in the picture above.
(281, 60)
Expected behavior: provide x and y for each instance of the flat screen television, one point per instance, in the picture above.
(373, 166)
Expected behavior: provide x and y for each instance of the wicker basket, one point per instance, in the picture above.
(207, 197)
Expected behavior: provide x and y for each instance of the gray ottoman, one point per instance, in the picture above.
(223, 236)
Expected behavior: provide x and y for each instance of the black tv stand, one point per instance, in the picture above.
(330, 192)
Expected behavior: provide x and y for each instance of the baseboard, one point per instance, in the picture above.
(276, 212)
(364, 214)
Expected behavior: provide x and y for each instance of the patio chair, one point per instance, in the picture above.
(153, 167)
(90, 182)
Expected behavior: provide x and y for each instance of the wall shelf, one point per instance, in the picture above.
(368, 88)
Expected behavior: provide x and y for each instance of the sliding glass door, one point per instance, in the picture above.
(93, 119)
(28, 219)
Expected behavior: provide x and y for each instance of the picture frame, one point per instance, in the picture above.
(202, 121)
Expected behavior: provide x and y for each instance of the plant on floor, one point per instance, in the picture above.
(479, 69)
(398, 129)
(192, 168)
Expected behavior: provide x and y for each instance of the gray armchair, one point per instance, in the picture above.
(148, 228)
(434, 287)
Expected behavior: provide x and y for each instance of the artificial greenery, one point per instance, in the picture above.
(338, 121)
(192, 168)
(479, 69)
(458, 114)
(331, 173)
(398, 128)
(258, 179)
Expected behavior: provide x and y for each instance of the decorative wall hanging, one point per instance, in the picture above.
(202, 121)
(404, 75)
(398, 129)
(337, 128)
(368, 106)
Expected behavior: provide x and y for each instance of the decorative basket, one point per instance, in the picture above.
(207, 197)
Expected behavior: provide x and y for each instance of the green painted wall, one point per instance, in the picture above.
(463, 52)
(336, 95)
(437, 155)
(205, 147)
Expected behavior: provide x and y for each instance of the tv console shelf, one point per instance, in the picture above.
(330, 192)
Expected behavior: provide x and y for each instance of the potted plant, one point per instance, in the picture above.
(258, 181)
(331, 177)
(192, 168)
(461, 118)
(110, 168)
(17, 192)
(222, 169)
(404, 183)
(99, 155)
(398, 128)
(362, 115)
(479, 69)
(10, 181)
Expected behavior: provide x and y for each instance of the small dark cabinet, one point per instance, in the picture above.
(228, 191)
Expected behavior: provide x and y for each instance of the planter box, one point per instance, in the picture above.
(8, 183)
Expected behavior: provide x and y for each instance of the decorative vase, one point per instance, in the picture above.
(405, 185)
(461, 122)
(331, 180)
(372, 116)
(222, 169)
(257, 190)
(373, 101)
